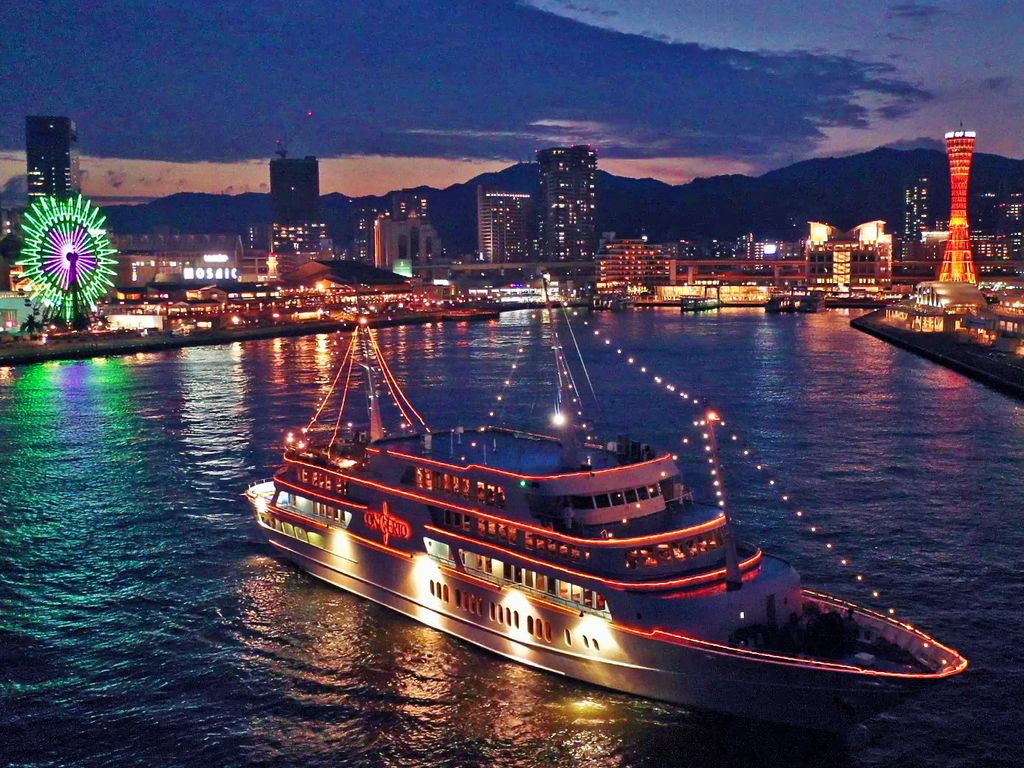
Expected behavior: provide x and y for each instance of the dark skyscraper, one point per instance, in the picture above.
(568, 198)
(295, 206)
(295, 190)
(51, 156)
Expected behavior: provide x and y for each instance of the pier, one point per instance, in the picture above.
(995, 369)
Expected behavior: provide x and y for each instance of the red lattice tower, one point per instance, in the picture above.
(958, 263)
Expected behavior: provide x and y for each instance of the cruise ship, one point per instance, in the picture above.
(588, 560)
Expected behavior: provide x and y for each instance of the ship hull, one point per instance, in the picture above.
(612, 656)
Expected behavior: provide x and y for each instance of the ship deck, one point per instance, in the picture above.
(519, 452)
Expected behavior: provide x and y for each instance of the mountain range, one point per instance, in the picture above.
(843, 191)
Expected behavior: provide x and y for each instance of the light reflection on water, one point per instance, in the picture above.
(143, 621)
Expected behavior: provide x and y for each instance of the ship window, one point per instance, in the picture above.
(586, 642)
(631, 496)
(582, 502)
(529, 624)
(603, 501)
(490, 607)
(547, 631)
(568, 637)
(599, 602)
(596, 646)
(655, 491)
(528, 540)
(515, 618)
(513, 535)
(508, 616)
(618, 498)
(458, 596)
(481, 492)
(642, 493)
(445, 592)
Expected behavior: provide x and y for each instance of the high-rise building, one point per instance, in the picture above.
(406, 204)
(295, 190)
(297, 232)
(1011, 224)
(363, 220)
(958, 263)
(916, 213)
(504, 225)
(568, 202)
(51, 156)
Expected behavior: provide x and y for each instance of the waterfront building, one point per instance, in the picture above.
(504, 225)
(633, 266)
(958, 262)
(298, 231)
(51, 156)
(568, 203)
(403, 245)
(348, 277)
(175, 258)
(16, 308)
(858, 260)
(916, 214)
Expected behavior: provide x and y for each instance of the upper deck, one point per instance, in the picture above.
(522, 454)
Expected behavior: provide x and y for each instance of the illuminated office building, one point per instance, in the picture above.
(568, 202)
(504, 225)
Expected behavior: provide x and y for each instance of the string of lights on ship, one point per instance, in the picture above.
(705, 427)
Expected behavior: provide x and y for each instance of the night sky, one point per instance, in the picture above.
(192, 95)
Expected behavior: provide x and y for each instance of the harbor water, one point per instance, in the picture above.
(143, 622)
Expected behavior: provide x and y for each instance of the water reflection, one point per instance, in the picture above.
(135, 594)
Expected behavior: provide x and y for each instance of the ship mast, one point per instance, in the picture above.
(565, 395)
(733, 577)
(372, 387)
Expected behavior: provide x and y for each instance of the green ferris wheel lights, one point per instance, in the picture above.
(67, 254)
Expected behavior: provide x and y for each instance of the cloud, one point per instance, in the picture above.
(583, 10)
(921, 142)
(502, 79)
(998, 84)
(914, 11)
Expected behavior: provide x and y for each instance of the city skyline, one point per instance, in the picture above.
(885, 80)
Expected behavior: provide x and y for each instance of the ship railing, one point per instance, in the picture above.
(252, 490)
(572, 604)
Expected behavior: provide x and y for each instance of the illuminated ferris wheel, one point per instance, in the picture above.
(67, 256)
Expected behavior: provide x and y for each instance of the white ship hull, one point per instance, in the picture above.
(621, 659)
